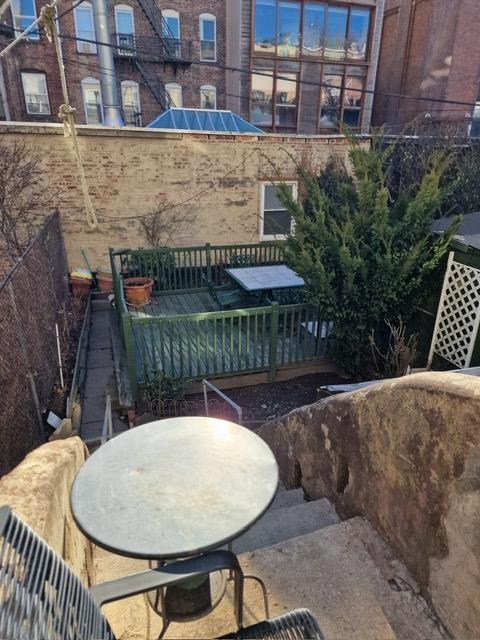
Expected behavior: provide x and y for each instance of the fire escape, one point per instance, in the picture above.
(147, 52)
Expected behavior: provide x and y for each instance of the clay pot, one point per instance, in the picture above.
(138, 291)
(80, 286)
(104, 281)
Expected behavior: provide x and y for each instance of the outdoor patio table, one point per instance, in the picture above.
(267, 278)
(174, 488)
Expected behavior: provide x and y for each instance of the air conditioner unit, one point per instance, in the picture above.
(87, 47)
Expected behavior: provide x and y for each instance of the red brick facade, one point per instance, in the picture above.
(39, 56)
(430, 49)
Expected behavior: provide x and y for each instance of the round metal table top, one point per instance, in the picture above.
(174, 488)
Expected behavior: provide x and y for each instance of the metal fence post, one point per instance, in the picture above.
(130, 352)
(208, 247)
(274, 307)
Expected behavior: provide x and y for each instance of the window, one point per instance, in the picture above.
(171, 34)
(24, 12)
(274, 96)
(288, 29)
(262, 98)
(358, 34)
(84, 28)
(131, 103)
(336, 33)
(275, 220)
(208, 97)
(342, 99)
(265, 20)
(331, 97)
(36, 93)
(313, 28)
(92, 101)
(286, 100)
(208, 37)
(174, 95)
(125, 27)
(171, 26)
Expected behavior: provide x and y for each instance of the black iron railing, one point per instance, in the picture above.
(152, 48)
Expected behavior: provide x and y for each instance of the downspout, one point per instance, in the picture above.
(108, 80)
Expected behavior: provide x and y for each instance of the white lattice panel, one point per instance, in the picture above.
(458, 315)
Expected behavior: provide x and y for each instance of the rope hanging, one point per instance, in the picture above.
(66, 112)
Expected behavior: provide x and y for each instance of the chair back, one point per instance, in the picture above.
(40, 596)
(241, 260)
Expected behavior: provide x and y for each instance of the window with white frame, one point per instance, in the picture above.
(24, 12)
(131, 103)
(174, 95)
(85, 28)
(208, 37)
(171, 27)
(36, 93)
(125, 28)
(208, 97)
(275, 219)
(92, 101)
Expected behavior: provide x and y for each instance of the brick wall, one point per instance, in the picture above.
(430, 49)
(129, 172)
(39, 56)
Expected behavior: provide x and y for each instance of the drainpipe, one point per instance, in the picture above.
(108, 80)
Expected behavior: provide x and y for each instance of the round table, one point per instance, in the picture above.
(174, 488)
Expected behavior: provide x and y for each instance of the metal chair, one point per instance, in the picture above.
(42, 599)
(299, 624)
(224, 295)
(241, 260)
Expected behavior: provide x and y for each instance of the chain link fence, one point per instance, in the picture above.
(33, 297)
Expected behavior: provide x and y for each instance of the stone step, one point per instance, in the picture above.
(330, 571)
(286, 498)
(287, 522)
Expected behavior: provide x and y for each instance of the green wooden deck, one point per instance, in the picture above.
(185, 335)
(174, 304)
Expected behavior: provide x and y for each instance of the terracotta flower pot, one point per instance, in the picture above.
(104, 281)
(138, 291)
(80, 286)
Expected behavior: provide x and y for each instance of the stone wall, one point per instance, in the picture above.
(38, 490)
(405, 454)
(213, 180)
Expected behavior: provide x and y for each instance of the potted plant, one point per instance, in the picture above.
(138, 291)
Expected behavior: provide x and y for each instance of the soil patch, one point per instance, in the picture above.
(267, 401)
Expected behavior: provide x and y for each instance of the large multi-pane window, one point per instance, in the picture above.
(334, 32)
(290, 38)
(24, 13)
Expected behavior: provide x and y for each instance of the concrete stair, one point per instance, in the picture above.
(282, 523)
(343, 572)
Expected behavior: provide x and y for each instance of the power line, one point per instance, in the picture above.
(267, 74)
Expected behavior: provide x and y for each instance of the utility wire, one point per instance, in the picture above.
(267, 74)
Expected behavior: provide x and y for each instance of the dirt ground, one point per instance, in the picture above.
(267, 401)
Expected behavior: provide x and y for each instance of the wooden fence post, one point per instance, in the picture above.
(209, 261)
(130, 352)
(273, 340)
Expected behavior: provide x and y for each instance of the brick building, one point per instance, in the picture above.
(290, 48)
(429, 49)
(295, 66)
(166, 53)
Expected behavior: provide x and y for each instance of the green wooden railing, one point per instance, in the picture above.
(218, 343)
(183, 268)
(223, 343)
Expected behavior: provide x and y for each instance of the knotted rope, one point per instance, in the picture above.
(66, 112)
